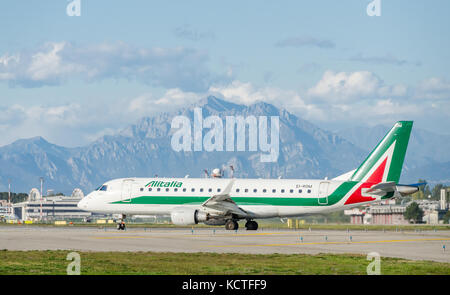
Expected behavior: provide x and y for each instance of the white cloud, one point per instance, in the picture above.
(245, 93)
(433, 89)
(48, 66)
(398, 90)
(75, 124)
(383, 59)
(346, 87)
(55, 62)
(187, 32)
(338, 98)
(342, 97)
(305, 41)
(173, 99)
(342, 86)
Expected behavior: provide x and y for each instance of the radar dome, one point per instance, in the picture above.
(34, 195)
(216, 172)
(77, 193)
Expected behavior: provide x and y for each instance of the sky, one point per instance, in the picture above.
(73, 79)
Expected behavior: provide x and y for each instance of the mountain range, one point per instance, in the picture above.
(144, 150)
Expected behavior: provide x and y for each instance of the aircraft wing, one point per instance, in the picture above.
(224, 204)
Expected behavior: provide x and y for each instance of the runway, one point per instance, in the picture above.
(425, 245)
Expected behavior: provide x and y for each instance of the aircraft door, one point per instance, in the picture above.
(127, 188)
(323, 193)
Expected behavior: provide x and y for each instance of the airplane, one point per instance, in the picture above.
(225, 201)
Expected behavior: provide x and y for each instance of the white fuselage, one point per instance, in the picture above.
(262, 198)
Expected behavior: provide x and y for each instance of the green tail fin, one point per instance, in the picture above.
(385, 162)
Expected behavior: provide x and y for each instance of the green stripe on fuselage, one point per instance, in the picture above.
(335, 197)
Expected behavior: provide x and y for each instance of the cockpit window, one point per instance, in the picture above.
(103, 188)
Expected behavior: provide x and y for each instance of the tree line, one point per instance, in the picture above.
(15, 197)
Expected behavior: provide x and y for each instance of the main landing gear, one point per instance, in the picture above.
(121, 223)
(232, 224)
(251, 225)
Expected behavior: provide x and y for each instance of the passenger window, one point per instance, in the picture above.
(299, 191)
(201, 190)
(149, 189)
(246, 190)
(142, 189)
(274, 191)
(237, 190)
(175, 189)
(264, 190)
(291, 191)
(309, 191)
(192, 189)
(255, 190)
(184, 189)
(282, 191)
(167, 189)
(218, 190)
(158, 189)
(210, 190)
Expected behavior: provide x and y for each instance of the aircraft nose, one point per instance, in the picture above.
(82, 204)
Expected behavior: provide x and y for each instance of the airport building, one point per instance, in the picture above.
(50, 207)
(357, 216)
(4, 208)
(390, 213)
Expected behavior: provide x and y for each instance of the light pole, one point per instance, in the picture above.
(9, 197)
(42, 184)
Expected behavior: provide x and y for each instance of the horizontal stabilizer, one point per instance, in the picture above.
(415, 184)
(388, 187)
(385, 187)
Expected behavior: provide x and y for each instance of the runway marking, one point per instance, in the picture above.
(121, 237)
(170, 234)
(285, 233)
(236, 235)
(328, 243)
(177, 236)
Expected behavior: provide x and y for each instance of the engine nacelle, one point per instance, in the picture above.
(187, 216)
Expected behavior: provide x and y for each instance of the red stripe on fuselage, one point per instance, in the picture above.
(376, 177)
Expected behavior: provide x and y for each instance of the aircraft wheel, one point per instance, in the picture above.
(251, 225)
(231, 225)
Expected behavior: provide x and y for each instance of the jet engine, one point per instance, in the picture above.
(187, 216)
